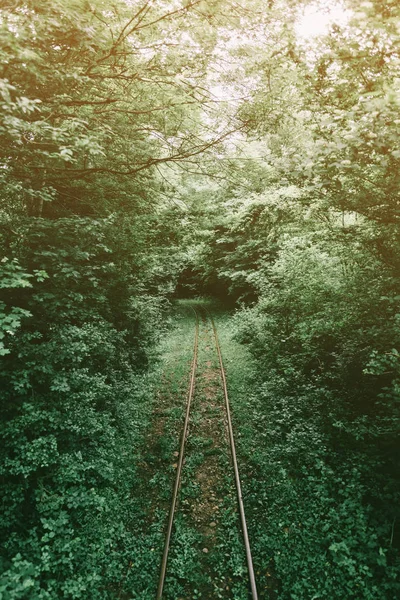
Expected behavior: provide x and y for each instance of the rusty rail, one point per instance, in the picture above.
(236, 470)
(179, 467)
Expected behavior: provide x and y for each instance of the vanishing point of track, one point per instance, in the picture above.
(184, 436)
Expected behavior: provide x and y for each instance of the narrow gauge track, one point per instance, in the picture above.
(184, 437)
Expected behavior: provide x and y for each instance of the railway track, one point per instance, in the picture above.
(201, 312)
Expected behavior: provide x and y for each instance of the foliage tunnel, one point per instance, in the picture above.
(152, 150)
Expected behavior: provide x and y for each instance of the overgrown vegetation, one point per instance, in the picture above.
(307, 241)
(157, 149)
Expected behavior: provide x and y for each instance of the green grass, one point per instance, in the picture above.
(191, 573)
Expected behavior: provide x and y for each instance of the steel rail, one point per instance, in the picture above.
(180, 464)
(236, 469)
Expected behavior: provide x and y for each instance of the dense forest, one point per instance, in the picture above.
(161, 149)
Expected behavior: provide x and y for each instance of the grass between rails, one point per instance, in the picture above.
(207, 558)
(207, 554)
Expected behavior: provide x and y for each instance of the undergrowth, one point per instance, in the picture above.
(316, 527)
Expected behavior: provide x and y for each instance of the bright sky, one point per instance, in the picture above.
(314, 20)
(317, 17)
